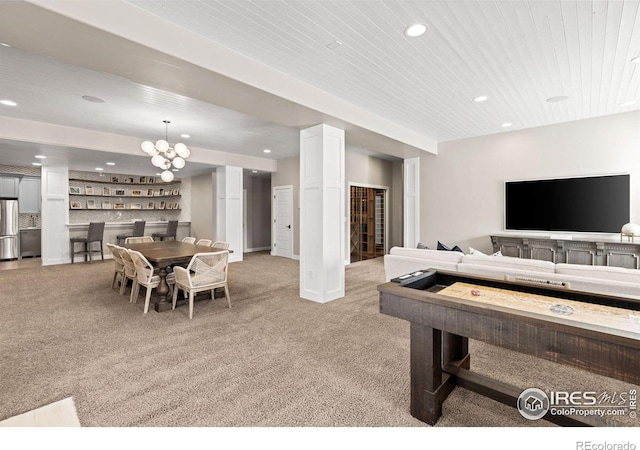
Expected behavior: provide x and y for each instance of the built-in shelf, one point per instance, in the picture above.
(92, 195)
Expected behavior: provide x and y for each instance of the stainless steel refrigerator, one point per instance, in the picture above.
(8, 229)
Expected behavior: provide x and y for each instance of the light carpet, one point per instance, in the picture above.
(273, 359)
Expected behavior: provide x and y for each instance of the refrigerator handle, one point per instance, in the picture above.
(8, 237)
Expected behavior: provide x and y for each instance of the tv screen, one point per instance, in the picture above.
(589, 204)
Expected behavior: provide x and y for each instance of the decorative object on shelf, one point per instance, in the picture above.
(150, 205)
(164, 156)
(106, 191)
(106, 204)
(121, 193)
(115, 179)
(75, 204)
(136, 193)
(118, 206)
(75, 190)
(630, 230)
(136, 206)
(91, 204)
(88, 190)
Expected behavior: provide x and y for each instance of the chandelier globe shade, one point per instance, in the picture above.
(178, 162)
(166, 176)
(164, 156)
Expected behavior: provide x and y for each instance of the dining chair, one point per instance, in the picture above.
(221, 245)
(95, 234)
(129, 271)
(118, 274)
(137, 240)
(205, 272)
(172, 229)
(144, 277)
(206, 242)
(138, 230)
(189, 240)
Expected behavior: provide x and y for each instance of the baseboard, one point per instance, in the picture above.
(258, 249)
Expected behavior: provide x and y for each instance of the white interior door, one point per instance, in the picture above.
(283, 221)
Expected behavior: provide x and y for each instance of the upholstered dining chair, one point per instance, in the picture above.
(137, 240)
(206, 242)
(205, 272)
(129, 271)
(95, 234)
(172, 230)
(118, 274)
(138, 230)
(221, 244)
(189, 240)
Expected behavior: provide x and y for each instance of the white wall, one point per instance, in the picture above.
(462, 188)
(202, 206)
(288, 173)
(258, 220)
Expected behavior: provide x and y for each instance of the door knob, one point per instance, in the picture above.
(289, 226)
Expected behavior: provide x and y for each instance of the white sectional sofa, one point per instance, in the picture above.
(597, 279)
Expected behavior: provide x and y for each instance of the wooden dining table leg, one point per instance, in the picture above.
(163, 304)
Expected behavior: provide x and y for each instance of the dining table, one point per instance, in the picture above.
(164, 254)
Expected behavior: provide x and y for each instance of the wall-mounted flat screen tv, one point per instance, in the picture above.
(587, 204)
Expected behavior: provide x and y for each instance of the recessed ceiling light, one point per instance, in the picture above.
(415, 30)
(266, 150)
(8, 103)
(36, 164)
(559, 98)
(636, 60)
(186, 136)
(111, 164)
(254, 171)
(506, 124)
(480, 98)
(99, 169)
(629, 103)
(4, 44)
(92, 99)
(40, 157)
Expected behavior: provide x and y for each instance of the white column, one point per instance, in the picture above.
(229, 209)
(55, 215)
(411, 180)
(322, 213)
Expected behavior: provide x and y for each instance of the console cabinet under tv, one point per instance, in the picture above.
(592, 252)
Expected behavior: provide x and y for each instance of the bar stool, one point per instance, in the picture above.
(95, 234)
(172, 229)
(138, 230)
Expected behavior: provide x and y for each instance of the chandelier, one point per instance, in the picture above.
(164, 156)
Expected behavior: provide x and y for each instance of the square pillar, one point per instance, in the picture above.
(322, 213)
(229, 209)
(411, 219)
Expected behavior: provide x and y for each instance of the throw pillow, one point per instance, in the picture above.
(422, 247)
(473, 251)
(443, 247)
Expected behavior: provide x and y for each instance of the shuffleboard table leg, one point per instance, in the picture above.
(429, 388)
(455, 350)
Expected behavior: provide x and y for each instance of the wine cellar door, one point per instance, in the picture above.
(367, 227)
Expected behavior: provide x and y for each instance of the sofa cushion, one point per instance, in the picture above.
(507, 262)
(600, 272)
(437, 255)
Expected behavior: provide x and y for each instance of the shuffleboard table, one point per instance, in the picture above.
(597, 333)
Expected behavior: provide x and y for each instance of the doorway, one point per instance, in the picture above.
(367, 230)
